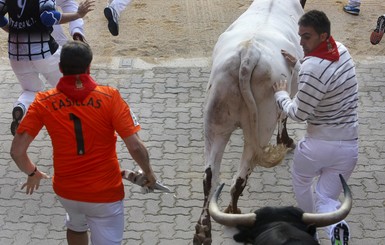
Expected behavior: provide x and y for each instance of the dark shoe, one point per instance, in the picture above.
(79, 37)
(340, 235)
(112, 17)
(377, 34)
(17, 115)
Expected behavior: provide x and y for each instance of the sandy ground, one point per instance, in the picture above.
(155, 29)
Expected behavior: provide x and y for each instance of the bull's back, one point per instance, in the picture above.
(272, 21)
(259, 34)
(277, 14)
(263, 30)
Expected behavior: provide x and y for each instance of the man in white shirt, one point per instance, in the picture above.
(76, 28)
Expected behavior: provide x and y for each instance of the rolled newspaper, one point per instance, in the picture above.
(138, 178)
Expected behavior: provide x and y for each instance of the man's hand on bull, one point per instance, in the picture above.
(291, 60)
(281, 85)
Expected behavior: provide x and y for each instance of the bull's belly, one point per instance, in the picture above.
(226, 113)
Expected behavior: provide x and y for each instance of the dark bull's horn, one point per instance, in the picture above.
(325, 219)
(318, 220)
(228, 219)
(303, 2)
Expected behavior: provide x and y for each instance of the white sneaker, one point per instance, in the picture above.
(340, 234)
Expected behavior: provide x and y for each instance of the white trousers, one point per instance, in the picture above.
(119, 5)
(355, 3)
(29, 73)
(105, 220)
(67, 6)
(325, 160)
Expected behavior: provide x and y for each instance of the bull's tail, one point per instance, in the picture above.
(249, 60)
(266, 156)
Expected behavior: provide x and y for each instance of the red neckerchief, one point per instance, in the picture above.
(76, 87)
(326, 50)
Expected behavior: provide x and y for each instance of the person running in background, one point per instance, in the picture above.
(112, 13)
(82, 119)
(76, 27)
(32, 50)
(353, 7)
(327, 99)
(378, 32)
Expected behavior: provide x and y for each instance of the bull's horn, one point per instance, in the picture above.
(303, 2)
(228, 219)
(325, 219)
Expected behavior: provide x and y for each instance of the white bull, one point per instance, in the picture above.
(247, 60)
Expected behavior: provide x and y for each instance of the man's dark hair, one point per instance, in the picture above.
(316, 19)
(75, 58)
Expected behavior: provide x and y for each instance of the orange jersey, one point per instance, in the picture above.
(86, 166)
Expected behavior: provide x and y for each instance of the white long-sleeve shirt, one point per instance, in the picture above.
(327, 97)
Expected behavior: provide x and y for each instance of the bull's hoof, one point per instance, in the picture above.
(199, 240)
(202, 234)
(291, 146)
(289, 142)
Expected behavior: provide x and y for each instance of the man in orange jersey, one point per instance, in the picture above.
(81, 117)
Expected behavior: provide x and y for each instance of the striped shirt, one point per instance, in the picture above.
(327, 97)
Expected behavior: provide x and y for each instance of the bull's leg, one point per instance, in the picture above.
(214, 147)
(240, 181)
(236, 192)
(283, 137)
(203, 227)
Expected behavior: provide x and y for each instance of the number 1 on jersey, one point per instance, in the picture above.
(78, 133)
